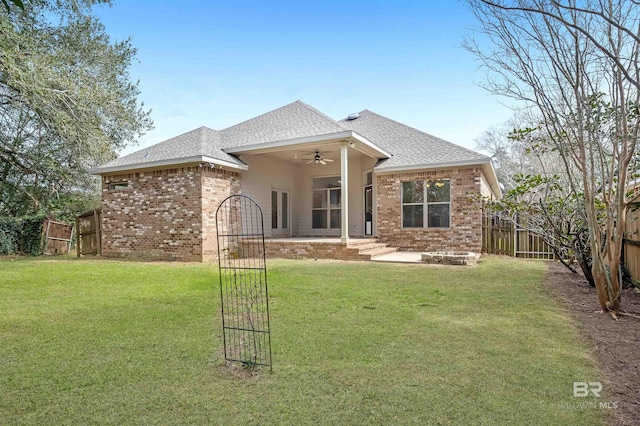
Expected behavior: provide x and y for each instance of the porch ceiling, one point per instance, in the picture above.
(300, 155)
(328, 145)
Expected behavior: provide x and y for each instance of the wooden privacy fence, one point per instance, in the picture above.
(57, 237)
(631, 250)
(88, 233)
(501, 236)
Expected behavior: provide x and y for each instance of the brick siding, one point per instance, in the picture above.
(164, 214)
(465, 232)
(169, 214)
(308, 250)
(217, 185)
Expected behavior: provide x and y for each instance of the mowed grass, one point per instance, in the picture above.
(106, 342)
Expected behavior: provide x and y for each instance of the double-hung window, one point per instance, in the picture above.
(426, 204)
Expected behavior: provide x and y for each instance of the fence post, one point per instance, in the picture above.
(78, 235)
(485, 232)
(96, 219)
(514, 231)
(46, 235)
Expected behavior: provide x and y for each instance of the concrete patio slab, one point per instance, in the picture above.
(399, 257)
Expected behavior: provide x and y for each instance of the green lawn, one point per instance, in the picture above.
(105, 342)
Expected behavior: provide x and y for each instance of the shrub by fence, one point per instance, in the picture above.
(21, 235)
(34, 235)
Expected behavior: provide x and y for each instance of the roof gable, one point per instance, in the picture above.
(292, 121)
(201, 142)
(409, 146)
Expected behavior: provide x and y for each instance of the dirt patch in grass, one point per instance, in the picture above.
(617, 344)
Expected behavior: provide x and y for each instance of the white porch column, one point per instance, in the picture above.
(344, 185)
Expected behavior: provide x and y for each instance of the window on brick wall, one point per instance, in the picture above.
(118, 186)
(426, 204)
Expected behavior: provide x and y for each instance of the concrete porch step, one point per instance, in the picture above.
(399, 257)
(357, 242)
(326, 248)
(366, 246)
(378, 251)
(370, 250)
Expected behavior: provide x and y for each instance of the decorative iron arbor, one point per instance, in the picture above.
(243, 281)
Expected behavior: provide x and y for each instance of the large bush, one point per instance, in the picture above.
(21, 235)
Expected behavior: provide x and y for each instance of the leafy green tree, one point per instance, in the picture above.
(514, 155)
(67, 103)
(17, 3)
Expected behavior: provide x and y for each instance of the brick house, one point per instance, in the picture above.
(363, 176)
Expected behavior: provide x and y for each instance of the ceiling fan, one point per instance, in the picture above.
(318, 159)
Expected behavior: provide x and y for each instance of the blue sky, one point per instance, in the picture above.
(218, 63)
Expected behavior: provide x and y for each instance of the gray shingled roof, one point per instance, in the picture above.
(296, 120)
(408, 146)
(200, 142)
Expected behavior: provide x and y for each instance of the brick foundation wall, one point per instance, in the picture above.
(465, 232)
(161, 215)
(304, 250)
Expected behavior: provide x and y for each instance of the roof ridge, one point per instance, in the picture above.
(204, 133)
(319, 113)
(258, 116)
(192, 131)
(197, 129)
(298, 102)
(423, 132)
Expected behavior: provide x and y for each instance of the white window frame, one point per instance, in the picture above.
(425, 204)
(373, 201)
(328, 208)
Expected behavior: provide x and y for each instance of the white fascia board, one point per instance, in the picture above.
(395, 169)
(290, 143)
(492, 177)
(371, 145)
(328, 138)
(171, 162)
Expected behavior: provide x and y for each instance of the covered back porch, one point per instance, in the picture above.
(314, 193)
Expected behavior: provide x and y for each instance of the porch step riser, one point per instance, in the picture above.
(369, 246)
(362, 242)
(379, 252)
(368, 251)
(319, 249)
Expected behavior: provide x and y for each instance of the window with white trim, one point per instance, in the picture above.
(426, 204)
(326, 198)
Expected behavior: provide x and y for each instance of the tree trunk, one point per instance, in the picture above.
(600, 278)
(585, 265)
(614, 302)
(583, 254)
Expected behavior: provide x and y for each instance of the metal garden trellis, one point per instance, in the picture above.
(243, 282)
